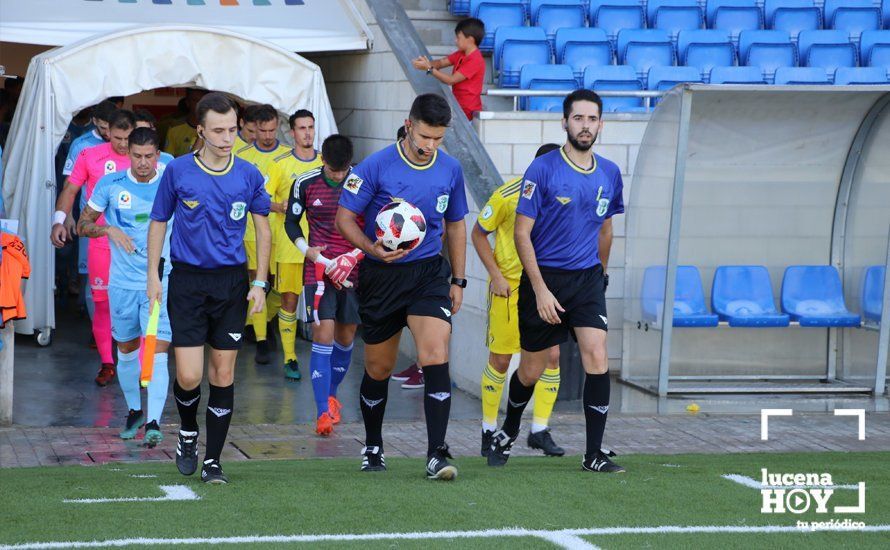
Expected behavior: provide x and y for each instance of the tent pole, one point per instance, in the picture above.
(670, 282)
(884, 334)
(7, 337)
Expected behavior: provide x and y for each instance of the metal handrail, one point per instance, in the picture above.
(646, 95)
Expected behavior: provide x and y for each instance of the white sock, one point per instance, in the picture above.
(538, 428)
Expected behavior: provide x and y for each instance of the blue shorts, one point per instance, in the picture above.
(129, 315)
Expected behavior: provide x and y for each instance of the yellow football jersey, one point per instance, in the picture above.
(499, 216)
(180, 139)
(292, 167)
(240, 145)
(272, 177)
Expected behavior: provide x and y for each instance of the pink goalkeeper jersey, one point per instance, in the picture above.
(91, 165)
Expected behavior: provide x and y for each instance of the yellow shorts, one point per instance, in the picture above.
(289, 278)
(250, 249)
(503, 322)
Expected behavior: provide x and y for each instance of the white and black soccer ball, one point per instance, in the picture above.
(401, 226)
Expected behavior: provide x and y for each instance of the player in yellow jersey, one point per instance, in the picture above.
(289, 281)
(504, 269)
(247, 129)
(181, 138)
(262, 154)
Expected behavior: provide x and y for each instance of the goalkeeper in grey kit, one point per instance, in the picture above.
(419, 288)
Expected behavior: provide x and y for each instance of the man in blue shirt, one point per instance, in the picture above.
(563, 236)
(211, 193)
(414, 289)
(125, 198)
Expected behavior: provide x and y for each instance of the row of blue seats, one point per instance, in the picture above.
(734, 16)
(703, 49)
(742, 296)
(624, 78)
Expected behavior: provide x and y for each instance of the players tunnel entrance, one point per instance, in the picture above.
(757, 239)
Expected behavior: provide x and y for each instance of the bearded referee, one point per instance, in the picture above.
(210, 192)
(563, 236)
(417, 289)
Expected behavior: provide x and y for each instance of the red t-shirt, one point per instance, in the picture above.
(468, 92)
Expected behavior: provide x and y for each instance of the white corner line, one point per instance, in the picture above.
(567, 540)
(171, 493)
(764, 420)
(854, 412)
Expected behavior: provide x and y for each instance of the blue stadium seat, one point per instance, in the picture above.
(581, 48)
(885, 10)
(614, 77)
(826, 49)
(546, 77)
(645, 48)
(496, 14)
(860, 75)
(674, 15)
(873, 293)
(614, 15)
(552, 15)
(801, 75)
(737, 75)
(665, 78)
(459, 7)
(813, 296)
(793, 16)
(689, 298)
(852, 16)
(705, 50)
(743, 295)
(874, 48)
(515, 47)
(767, 50)
(734, 16)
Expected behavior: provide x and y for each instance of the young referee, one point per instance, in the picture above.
(414, 289)
(210, 192)
(563, 235)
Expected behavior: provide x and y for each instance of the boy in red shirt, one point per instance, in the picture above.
(469, 67)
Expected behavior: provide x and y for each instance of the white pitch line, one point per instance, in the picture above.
(568, 541)
(171, 492)
(488, 533)
(754, 484)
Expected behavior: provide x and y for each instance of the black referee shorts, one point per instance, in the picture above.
(389, 293)
(580, 292)
(207, 306)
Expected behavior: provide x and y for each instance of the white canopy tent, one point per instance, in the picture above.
(61, 82)
(295, 25)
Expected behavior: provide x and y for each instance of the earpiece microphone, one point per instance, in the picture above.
(420, 151)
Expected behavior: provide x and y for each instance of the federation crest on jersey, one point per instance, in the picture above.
(296, 209)
(124, 200)
(110, 167)
(486, 212)
(528, 189)
(442, 204)
(238, 210)
(602, 206)
(353, 183)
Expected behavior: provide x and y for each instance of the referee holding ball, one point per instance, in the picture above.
(210, 192)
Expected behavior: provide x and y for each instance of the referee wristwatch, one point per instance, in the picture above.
(262, 284)
(459, 282)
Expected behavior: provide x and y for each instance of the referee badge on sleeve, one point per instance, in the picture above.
(442, 204)
(353, 183)
(528, 189)
(602, 207)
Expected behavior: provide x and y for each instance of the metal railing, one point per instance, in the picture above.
(646, 95)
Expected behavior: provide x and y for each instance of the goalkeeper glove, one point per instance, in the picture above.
(341, 267)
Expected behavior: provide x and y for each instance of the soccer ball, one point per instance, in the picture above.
(401, 226)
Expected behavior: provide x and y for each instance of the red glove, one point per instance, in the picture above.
(341, 266)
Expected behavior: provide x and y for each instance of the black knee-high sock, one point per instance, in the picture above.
(187, 402)
(219, 416)
(373, 394)
(518, 397)
(596, 408)
(436, 404)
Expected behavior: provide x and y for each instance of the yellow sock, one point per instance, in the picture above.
(259, 324)
(287, 329)
(273, 304)
(545, 397)
(492, 388)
